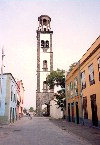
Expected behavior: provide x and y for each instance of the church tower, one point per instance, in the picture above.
(44, 62)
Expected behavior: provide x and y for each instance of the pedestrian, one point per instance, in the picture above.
(30, 117)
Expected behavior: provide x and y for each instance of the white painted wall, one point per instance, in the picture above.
(22, 95)
(14, 90)
(43, 76)
(13, 102)
(7, 81)
(3, 95)
(55, 112)
(57, 88)
(44, 56)
(44, 37)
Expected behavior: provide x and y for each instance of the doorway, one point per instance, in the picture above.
(94, 110)
(10, 114)
(77, 113)
(72, 112)
(69, 112)
(13, 115)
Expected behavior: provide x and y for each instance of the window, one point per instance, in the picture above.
(71, 85)
(99, 64)
(67, 92)
(99, 67)
(11, 95)
(45, 65)
(76, 86)
(44, 29)
(75, 83)
(71, 89)
(91, 75)
(83, 82)
(44, 86)
(14, 99)
(44, 22)
(42, 43)
(47, 44)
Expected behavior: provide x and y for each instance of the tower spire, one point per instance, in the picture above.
(44, 63)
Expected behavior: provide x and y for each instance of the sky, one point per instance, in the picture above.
(75, 25)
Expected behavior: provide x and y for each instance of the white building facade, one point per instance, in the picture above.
(55, 110)
(8, 99)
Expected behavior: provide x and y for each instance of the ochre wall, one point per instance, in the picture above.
(95, 88)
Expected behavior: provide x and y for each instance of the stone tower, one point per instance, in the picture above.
(44, 62)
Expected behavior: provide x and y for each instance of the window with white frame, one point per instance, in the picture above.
(75, 83)
(76, 86)
(83, 82)
(91, 75)
(71, 89)
(71, 85)
(11, 93)
(99, 64)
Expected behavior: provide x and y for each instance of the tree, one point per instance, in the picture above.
(24, 110)
(61, 100)
(57, 78)
(72, 66)
(31, 109)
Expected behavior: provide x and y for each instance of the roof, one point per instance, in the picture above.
(88, 54)
(43, 16)
(10, 75)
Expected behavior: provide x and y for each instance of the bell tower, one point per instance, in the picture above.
(44, 62)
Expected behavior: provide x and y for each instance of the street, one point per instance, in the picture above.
(38, 131)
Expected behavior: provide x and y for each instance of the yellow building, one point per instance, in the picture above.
(86, 105)
(73, 94)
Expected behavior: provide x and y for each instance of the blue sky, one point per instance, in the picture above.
(75, 23)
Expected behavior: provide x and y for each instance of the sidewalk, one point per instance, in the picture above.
(90, 134)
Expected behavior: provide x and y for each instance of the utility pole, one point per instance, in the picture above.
(2, 65)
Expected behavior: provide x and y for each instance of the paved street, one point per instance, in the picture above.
(38, 131)
(89, 133)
